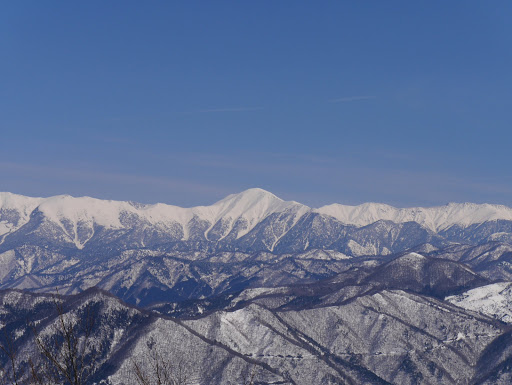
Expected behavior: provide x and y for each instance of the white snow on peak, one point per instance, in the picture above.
(434, 218)
(414, 257)
(494, 300)
(20, 204)
(414, 260)
(10, 201)
(84, 209)
(254, 205)
(161, 213)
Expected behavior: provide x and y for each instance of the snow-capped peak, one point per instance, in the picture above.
(254, 203)
(10, 201)
(414, 256)
(252, 194)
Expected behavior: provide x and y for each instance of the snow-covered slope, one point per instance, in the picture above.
(494, 300)
(15, 211)
(378, 338)
(251, 206)
(434, 218)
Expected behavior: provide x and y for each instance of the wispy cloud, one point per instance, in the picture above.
(351, 99)
(231, 109)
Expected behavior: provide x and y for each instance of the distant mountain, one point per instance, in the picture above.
(433, 218)
(254, 220)
(161, 253)
(78, 221)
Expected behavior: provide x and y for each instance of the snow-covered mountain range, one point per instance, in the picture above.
(367, 294)
(148, 253)
(252, 205)
(76, 221)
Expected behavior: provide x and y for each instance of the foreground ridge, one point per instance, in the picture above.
(379, 325)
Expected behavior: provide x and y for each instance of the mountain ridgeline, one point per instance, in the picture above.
(252, 221)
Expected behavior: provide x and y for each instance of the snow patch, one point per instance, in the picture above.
(494, 300)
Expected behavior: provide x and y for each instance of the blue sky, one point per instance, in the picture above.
(407, 103)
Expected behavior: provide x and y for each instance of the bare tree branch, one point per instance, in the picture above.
(162, 371)
(68, 352)
(10, 351)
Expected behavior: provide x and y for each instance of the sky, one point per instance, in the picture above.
(406, 103)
